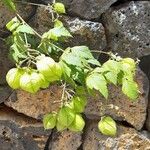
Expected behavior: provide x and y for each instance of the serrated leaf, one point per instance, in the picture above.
(98, 82)
(10, 4)
(82, 51)
(112, 65)
(25, 29)
(71, 59)
(94, 62)
(56, 33)
(111, 77)
(130, 88)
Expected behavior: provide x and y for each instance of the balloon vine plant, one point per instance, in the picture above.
(40, 61)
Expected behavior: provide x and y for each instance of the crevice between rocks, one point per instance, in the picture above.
(145, 67)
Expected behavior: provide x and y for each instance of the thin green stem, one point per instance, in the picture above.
(26, 40)
(29, 26)
(29, 3)
(102, 52)
(39, 34)
(21, 63)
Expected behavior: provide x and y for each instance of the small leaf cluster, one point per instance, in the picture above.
(40, 60)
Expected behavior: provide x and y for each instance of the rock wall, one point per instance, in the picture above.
(122, 26)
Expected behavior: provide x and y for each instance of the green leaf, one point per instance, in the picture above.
(112, 65)
(98, 82)
(94, 62)
(10, 4)
(13, 24)
(19, 41)
(81, 91)
(67, 74)
(107, 126)
(128, 64)
(16, 54)
(111, 77)
(66, 116)
(49, 121)
(82, 51)
(56, 33)
(25, 29)
(72, 59)
(59, 8)
(130, 88)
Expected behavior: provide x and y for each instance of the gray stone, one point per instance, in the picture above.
(66, 140)
(126, 139)
(91, 34)
(128, 28)
(5, 62)
(148, 116)
(84, 32)
(5, 92)
(9, 140)
(26, 133)
(26, 11)
(120, 106)
(144, 65)
(87, 9)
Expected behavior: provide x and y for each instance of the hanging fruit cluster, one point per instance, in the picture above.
(31, 80)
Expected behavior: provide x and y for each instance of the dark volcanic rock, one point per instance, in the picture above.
(87, 9)
(21, 132)
(120, 106)
(128, 28)
(5, 92)
(127, 139)
(26, 11)
(84, 32)
(5, 63)
(66, 140)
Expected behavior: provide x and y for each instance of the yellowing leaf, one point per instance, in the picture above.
(112, 65)
(111, 77)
